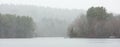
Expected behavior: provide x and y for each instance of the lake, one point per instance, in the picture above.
(59, 42)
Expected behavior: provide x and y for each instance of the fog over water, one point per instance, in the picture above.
(52, 19)
(111, 5)
(57, 14)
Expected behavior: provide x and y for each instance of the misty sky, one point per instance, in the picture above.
(110, 5)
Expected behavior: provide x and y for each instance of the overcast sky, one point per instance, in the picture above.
(110, 5)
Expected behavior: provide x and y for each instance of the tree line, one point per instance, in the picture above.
(96, 23)
(14, 26)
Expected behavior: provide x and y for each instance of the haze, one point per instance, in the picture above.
(110, 5)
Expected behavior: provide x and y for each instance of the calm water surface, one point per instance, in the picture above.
(59, 42)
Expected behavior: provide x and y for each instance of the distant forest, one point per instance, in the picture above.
(49, 22)
(96, 23)
(22, 21)
(12, 26)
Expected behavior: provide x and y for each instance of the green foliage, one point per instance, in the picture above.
(97, 12)
(97, 17)
(12, 26)
(96, 24)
